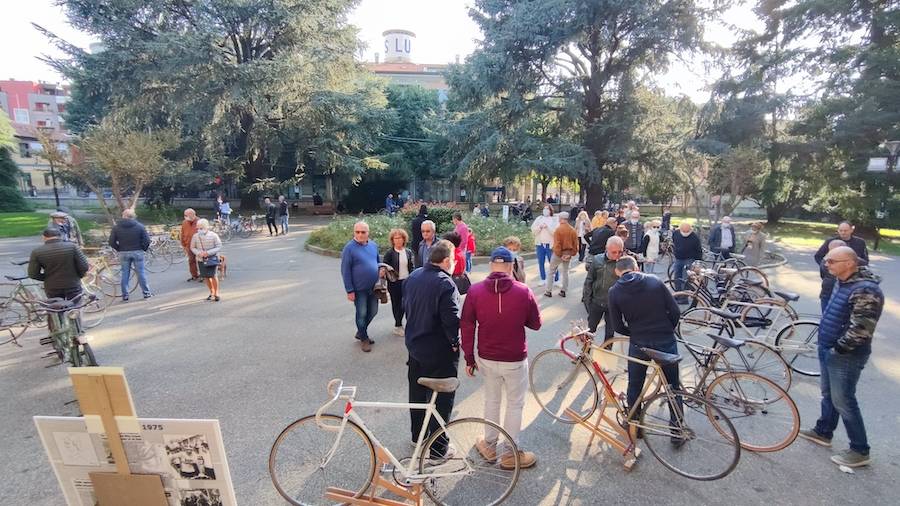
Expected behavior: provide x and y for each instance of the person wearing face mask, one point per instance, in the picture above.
(600, 278)
(722, 238)
(687, 249)
(205, 244)
(650, 245)
(432, 305)
(543, 228)
(635, 231)
(514, 245)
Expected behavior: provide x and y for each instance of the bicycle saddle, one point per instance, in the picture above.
(442, 385)
(789, 296)
(16, 278)
(724, 313)
(727, 341)
(661, 357)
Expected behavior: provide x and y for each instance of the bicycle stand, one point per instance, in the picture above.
(412, 494)
(611, 432)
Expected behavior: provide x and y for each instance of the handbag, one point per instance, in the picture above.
(381, 291)
(211, 260)
(463, 283)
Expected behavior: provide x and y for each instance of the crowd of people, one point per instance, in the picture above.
(488, 326)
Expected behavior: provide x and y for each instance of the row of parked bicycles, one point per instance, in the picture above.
(240, 226)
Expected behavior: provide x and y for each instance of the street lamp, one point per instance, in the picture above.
(886, 165)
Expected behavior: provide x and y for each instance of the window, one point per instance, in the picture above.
(24, 150)
(22, 116)
(41, 106)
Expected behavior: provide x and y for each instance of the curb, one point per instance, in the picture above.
(778, 263)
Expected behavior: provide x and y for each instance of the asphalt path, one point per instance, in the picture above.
(262, 356)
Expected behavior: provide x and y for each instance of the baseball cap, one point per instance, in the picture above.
(501, 255)
(58, 214)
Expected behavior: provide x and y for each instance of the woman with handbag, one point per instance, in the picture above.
(206, 245)
(400, 258)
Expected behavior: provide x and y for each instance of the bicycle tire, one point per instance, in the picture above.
(761, 359)
(340, 468)
(463, 434)
(750, 273)
(159, 258)
(763, 414)
(95, 312)
(689, 434)
(764, 312)
(83, 355)
(798, 345)
(246, 230)
(553, 372)
(694, 325)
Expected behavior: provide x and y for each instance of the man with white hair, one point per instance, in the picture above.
(359, 270)
(600, 278)
(131, 240)
(635, 231)
(428, 229)
(721, 238)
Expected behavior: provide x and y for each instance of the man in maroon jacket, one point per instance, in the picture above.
(501, 308)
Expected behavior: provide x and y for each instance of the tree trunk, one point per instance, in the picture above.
(594, 196)
(774, 213)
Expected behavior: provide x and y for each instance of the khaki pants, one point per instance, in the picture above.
(555, 262)
(513, 376)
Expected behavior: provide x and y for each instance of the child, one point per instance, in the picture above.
(513, 244)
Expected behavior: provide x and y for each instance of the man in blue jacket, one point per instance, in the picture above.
(130, 239)
(722, 238)
(844, 346)
(641, 307)
(359, 270)
(431, 302)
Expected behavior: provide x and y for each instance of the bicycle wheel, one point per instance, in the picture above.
(297, 460)
(111, 281)
(473, 479)
(694, 325)
(798, 345)
(764, 415)
(765, 310)
(14, 322)
(762, 359)
(95, 311)
(679, 431)
(157, 259)
(246, 230)
(83, 355)
(614, 367)
(559, 382)
(748, 273)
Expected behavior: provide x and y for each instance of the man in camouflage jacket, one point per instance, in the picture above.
(845, 344)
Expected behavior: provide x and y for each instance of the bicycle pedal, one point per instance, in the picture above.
(46, 340)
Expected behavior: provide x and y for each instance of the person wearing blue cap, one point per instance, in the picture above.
(500, 308)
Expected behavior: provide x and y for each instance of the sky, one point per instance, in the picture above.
(443, 31)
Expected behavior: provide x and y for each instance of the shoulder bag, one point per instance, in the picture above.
(211, 260)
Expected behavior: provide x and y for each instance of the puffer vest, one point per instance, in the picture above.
(836, 317)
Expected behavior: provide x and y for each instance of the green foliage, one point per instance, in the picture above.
(27, 224)
(489, 232)
(410, 148)
(442, 216)
(10, 197)
(7, 133)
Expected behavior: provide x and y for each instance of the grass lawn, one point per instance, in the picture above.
(27, 224)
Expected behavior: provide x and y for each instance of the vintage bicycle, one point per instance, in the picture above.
(327, 458)
(67, 334)
(686, 433)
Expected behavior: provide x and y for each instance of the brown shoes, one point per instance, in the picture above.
(366, 345)
(526, 460)
(487, 450)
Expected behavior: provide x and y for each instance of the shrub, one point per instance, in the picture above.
(442, 216)
(489, 232)
(11, 200)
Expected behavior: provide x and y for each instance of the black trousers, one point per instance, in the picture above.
(446, 368)
(597, 313)
(395, 289)
(581, 249)
(270, 222)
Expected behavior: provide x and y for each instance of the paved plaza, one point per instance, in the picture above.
(262, 356)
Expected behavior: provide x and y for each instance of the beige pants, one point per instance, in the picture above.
(555, 262)
(497, 375)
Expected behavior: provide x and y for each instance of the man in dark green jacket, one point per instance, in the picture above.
(600, 278)
(59, 264)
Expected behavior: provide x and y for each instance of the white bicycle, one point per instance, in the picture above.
(327, 459)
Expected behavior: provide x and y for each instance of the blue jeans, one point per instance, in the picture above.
(468, 261)
(637, 373)
(840, 373)
(127, 258)
(284, 224)
(680, 267)
(366, 304)
(544, 252)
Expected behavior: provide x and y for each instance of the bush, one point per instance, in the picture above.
(442, 216)
(11, 200)
(489, 232)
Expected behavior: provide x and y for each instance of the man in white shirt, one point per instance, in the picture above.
(721, 238)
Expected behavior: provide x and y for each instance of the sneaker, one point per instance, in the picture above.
(815, 437)
(851, 458)
(487, 450)
(124, 298)
(562, 293)
(548, 294)
(526, 460)
(398, 331)
(148, 295)
(366, 345)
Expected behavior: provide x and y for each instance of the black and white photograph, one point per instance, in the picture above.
(189, 456)
(201, 497)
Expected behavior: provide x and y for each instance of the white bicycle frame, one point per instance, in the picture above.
(768, 338)
(349, 394)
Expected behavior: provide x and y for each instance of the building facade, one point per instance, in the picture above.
(35, 107)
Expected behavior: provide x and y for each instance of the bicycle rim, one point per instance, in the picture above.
(614, 367)
(763, 414)
(798, 345)
(759, 358)
(560, 383)
(691, 444)
(474, 479)
(83, 356)
(295, 460)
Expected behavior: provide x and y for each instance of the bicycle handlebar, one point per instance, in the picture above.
(336, 390)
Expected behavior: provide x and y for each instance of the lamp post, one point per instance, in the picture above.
(886, 165)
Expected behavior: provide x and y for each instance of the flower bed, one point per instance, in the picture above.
(489, 232)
